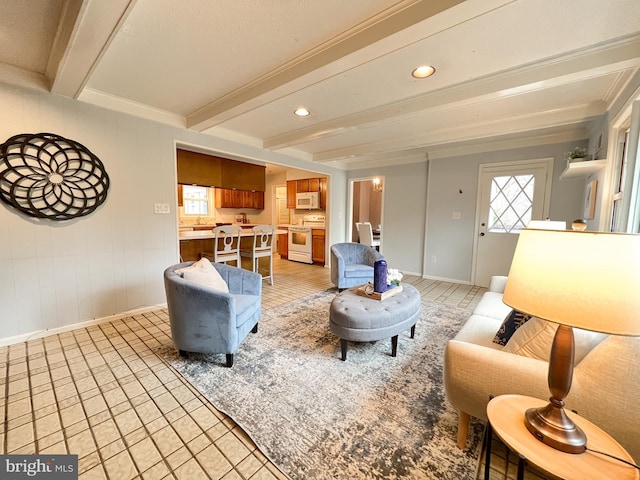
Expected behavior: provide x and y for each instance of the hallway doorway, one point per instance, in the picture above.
(366, 206)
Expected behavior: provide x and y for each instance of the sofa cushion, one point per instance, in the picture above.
(479, 330)
(205, 274)
(534, 339)
(492, 306)
(514, 320)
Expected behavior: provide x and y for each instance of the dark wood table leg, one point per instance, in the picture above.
(394, 345)
(413, 331)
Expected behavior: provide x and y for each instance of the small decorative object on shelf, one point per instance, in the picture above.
(579, 224)
(394, 276)
(578, 154)
(380, 276)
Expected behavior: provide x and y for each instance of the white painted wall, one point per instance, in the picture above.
(451, 241)
(55, 274)
(404, 198)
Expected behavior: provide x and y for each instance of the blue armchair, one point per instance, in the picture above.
(352, 264)
(205, 320)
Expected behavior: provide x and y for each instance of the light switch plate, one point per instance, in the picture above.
(161, 208)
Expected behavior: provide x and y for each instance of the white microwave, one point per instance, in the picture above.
(308, 200)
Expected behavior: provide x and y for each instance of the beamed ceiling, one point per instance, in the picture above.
(508, 72)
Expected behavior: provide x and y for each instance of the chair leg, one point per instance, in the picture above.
(463, 428)
(229, 360)
(255, 328)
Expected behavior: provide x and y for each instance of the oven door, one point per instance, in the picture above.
(300, 244)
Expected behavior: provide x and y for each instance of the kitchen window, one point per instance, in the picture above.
(196, 200)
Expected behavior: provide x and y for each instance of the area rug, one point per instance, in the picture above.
(316, 417)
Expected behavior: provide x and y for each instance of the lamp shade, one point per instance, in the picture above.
(587, 280)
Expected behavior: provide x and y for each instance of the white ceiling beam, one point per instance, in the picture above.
(85, 31)
(434, 152)
(468, 132)
(387, 23)
(554, 72)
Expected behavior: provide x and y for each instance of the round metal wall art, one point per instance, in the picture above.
(44, 175)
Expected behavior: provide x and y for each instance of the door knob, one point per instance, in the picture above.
(482, 234)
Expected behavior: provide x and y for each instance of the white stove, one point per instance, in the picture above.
(300, 238)
(313, 221)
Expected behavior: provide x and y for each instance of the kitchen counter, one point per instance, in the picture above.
(285, 225)
(207, 234)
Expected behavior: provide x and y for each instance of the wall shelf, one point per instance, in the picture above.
(582, 169)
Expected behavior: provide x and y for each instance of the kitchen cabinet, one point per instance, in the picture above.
(292, 189)
(190, 249)
(180, 200)
(242, 176)
(228, 198)
(307, 185)
(258, 200)
(212, 171)
(283, 243)
(323, 193)
(317, 246)
(198, 169)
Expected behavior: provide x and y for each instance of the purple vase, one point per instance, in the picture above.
(380, 276)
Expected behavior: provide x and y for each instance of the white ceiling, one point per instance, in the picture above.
(508, 72)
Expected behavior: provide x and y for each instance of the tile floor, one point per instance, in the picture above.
(103, 394)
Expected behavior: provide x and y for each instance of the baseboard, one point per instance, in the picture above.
(450, 280)
(25, 337)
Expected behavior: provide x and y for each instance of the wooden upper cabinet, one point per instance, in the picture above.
(228, 198)
(307, 185)
(199, 169)
(292, 189)
(180, 198)
(258, 200)
(211, 171)
(303, 185)
(323, 193)
(243, 176)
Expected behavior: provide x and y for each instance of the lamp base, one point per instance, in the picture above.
(552, 426)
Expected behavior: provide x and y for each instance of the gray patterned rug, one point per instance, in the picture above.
(316, 417)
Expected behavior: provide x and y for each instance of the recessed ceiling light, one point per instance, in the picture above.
(302, 112)
(423, 71)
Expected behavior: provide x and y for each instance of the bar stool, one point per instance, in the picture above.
(226, 245)
(261, 247)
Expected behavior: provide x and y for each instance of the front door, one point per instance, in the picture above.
(510, 196)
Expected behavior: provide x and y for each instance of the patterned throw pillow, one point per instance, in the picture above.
(514, 320)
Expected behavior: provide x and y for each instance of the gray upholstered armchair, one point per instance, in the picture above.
(204, 320)
(352, 264)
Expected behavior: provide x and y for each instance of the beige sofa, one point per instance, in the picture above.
(606, 379)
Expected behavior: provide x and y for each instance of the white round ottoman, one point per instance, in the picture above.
(355, 318)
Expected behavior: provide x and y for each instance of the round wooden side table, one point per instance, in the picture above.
(506, 419)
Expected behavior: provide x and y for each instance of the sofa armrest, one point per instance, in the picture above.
(473, 373)
(497, 284)
(240, 281)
